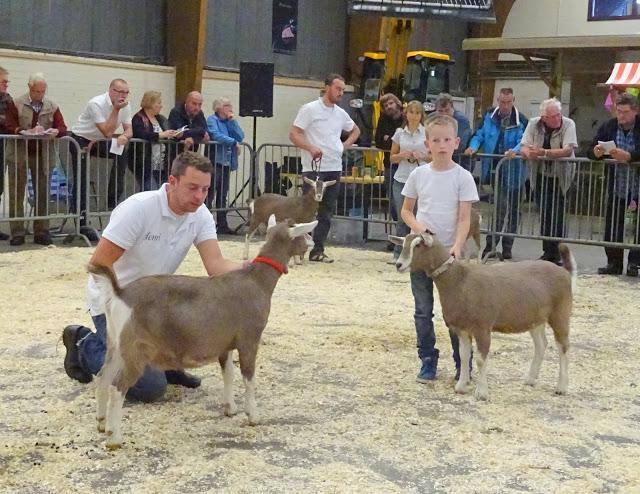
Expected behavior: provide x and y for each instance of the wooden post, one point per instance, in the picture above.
(186, 38)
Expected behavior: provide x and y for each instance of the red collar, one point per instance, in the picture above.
(280, 268)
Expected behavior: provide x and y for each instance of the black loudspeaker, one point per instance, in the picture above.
(256, 89)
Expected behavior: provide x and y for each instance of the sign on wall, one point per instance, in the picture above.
(285, 26)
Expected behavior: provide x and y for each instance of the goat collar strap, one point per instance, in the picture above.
(443, 267)
(280, 268)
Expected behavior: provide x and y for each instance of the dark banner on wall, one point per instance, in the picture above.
(285, 26)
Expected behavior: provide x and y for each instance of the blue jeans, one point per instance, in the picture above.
(422, 289)
(92, 350)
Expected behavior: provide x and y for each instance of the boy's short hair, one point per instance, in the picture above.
(437, 120)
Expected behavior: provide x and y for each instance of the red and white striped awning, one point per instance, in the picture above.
(625, 74)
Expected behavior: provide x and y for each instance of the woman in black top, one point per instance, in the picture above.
(149, 159)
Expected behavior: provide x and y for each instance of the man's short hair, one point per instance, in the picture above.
(550, 103)
(332, 77)
(121, 81)
(506, 91)
(627, 99)
(444, 100)
(438, 120)
(35, 78)
(187, 159)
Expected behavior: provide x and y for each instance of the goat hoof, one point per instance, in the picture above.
(461, 389)
(530, 382)
(561, 392)
(230, 409)
(253, 420)
(112, 445)
(101, 425)
(481, 395)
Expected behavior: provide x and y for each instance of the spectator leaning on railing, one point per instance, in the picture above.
(5, 103)
(225, 130)
(150, 163)
(548, 137)
(501, 132)
(622, 180)
(101, 118)
(33, 115)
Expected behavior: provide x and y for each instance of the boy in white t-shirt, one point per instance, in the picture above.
(444, 192)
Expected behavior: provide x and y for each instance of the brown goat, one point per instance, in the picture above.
(477, 299)
(176, 322)
(301, 209)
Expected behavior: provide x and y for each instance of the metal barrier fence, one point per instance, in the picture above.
(39, 179)
(577, 201)
(573, 200)
(145, 165)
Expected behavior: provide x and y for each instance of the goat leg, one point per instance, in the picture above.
(563, 378)
(462, 386)
(539, 345)
(226, 363)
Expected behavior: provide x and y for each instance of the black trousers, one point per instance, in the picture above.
(218, 192)
(614, 231)
(551, 203)
(115, 189)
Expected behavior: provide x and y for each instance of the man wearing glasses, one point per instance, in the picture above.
(102, 117)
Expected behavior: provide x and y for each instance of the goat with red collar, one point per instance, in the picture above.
(176, 322)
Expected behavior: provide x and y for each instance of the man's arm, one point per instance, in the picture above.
(108, 127)
(107, 253)
(353, 137)
(298, 138)
(214, 262)
(462, 229)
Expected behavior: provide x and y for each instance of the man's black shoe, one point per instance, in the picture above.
(42, 239)
(182, 378)
(17, 240)
(554, 259)
(4, 236)
(487, 254)
(506, 254)
(632, 270)
(70, 336)
(610, 269)
(90, 233)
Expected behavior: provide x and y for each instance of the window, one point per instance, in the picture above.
(607, 10)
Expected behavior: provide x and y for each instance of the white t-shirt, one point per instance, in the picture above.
(155, 239)
(439, 194)
(98, 110)
(409, 141)
(322, 127)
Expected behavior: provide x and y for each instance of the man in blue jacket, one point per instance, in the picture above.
(501, 132)
(227, 135)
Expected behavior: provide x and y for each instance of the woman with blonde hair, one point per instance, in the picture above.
(408, 150)
(149, 160)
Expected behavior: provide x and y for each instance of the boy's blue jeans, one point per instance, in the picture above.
(422, 289)
(92, 350)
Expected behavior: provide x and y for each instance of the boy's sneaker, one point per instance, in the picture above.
(428, 370)
(70, 336)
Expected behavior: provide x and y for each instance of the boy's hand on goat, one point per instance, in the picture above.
(456, 251)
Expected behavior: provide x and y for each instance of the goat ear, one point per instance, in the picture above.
(272, 221)
(396, 240)
(329, 183)
(301, 228)
(309, 181)
(427, 238)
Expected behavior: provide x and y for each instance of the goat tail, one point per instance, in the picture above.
(106, 272)
(569, 263)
